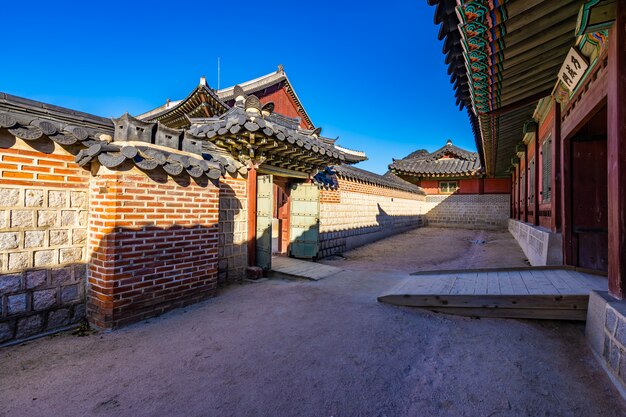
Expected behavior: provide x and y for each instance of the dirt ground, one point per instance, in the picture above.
(326, 348)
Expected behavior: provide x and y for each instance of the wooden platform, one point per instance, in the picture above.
(302, 269)
(534, 293)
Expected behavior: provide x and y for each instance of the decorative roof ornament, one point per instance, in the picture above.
(267, 109)
(239, 93)
(252, 104)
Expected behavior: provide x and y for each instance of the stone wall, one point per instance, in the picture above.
(233, 230)
(359, 213)
(43, 232)
(478, 211)
(606, 334)
(154, 245)
(541, 246)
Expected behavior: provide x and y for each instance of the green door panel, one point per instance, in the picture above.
(264, 221)
(305, 209)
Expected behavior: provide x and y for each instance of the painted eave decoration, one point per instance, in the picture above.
(504, 56)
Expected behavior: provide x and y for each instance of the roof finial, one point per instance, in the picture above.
(449, 142)
(203, 80)
(281, 69)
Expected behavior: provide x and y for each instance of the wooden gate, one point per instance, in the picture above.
(304, 230)
(264, 222)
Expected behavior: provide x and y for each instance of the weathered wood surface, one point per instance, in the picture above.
(523, 293)
(302, 269)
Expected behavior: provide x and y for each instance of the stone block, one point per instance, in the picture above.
(83, 218)
(9, 240)
(614, 356)
(45, 258)
(16, 304)
(254, 272)
(79, 236)
(6, 331)
(68, 218)
(78, 199)
(596, 318)
(46, 218)
(4, 219)
(21, 218)
(34, 238)
(58, 318)
(10, 197)
(33, 198)
(80, 272)
(79, 313)
(620, 332)
(10, 283)
(29, 326)
(69, 293)
(59, 237)
(611, 320)
(56, 199)
(61, 276)
(67, 255)
(36, 279)
(44, 299)
(19, 261)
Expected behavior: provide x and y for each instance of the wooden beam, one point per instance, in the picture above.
(616, 150)
(521, 103)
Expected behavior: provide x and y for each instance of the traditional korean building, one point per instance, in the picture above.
(544, 87)
(116, 220)
(447, 170)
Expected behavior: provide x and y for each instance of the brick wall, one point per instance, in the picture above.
(469, 210)
(359, 213)
(233, 229)
(43, 231)
(154, 245)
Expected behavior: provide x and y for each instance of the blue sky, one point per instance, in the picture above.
(372, 74)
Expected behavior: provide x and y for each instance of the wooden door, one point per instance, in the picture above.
(590, 203)
(264, 197)
(305, 208)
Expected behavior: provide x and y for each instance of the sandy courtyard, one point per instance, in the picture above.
(326, 348)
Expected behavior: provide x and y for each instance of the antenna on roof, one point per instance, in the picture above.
(218, 72)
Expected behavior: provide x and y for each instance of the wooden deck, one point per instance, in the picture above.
(536, 293)
(302, 269)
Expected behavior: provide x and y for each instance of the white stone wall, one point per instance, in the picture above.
(43, 237)
(541, 247)
(478, 211)
(361, 218)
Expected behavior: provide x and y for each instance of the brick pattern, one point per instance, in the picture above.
(43, 235)
(154, 246)
(614, 349)
(364, 213)
(469, 210)
(233, 230)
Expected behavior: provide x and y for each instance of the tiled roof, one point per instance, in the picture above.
(388, 180)
(448, 161)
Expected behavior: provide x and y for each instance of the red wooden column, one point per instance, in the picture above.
(525, 185)
(519, 191)
(555, 181)
(616, 143)
(251, 216)
(566, 201)
(512, 207)
(536, 179)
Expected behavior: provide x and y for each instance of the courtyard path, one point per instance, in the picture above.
(325, 348)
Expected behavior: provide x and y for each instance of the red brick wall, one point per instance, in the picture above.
(471, 186)
(154, 246)
(497, 186)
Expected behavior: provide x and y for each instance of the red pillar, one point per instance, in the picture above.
(616, 99)
(555, 181)
(252, 216)
(525, 185)
(519, 191)
(536, 180)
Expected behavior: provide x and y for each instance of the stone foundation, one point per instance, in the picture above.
(540, 246)
(606, 335)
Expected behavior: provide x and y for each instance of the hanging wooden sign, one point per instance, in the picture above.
(573, 69)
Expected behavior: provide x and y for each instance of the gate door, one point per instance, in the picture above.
(264, 192)
(304, 233)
